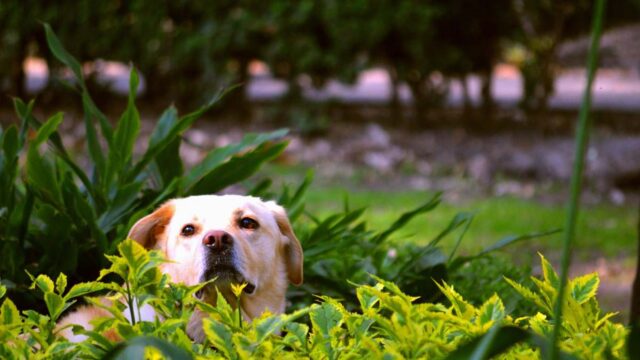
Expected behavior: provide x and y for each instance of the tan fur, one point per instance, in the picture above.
(268, 257)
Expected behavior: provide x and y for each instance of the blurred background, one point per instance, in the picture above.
(387, 101)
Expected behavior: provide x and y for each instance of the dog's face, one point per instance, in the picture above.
(235, 239)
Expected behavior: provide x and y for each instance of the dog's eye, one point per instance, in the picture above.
(248, 223)
(188, 230)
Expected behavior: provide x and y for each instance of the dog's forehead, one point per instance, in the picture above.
(218, 208)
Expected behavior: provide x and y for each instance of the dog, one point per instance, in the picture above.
(230, 238)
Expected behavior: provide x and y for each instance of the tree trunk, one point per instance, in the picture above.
(394, 103)
(486, 79)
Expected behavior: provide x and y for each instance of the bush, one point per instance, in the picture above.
(58, 217)
(387, 323)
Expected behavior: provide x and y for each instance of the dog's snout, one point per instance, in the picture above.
(217, 240)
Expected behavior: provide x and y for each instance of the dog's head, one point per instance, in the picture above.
(235, 239)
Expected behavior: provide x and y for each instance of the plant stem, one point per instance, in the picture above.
(576, 177)
(130, 302)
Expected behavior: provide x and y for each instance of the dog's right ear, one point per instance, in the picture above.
(147, 230)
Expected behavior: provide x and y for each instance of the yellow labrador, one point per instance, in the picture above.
(235, 239)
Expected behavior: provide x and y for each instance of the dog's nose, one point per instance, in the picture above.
(217, 240)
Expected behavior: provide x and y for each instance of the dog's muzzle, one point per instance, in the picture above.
(219, 260)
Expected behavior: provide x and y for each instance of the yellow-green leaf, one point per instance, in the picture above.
(584, 287)
(550, 276)
(44, 283)
(61, 283)
(9, 314)
(491, 311)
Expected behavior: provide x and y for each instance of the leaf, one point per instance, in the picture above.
(55, 304)
(10, 142)
(463, 308)
(3, 291)
(236, 169)
(530, 295)
(61, 283)
(498, 245)
(9, 314)
(325, 318)
(86, 288)
(61, 54)
(220, 337)
(121, 206)
(218, 156)
(491, 311)
(495, 342)
(267, 326)
(548, 273)
(47, 129)
(125, 135)
(584, 287)
(406, 217)
(135, 349)
(44, 283)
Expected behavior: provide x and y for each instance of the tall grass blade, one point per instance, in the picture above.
(576, 177)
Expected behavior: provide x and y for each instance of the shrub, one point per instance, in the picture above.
(387, 323)
(59, 217)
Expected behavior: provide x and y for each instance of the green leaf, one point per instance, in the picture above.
(236, 169)
(584, 287)
(491, 311)
(267, 326)
(10, 142)
(121, 206)
(217, 157)
(463, 308)
(548, 273)
(495, 342)
(498, 245)
(3, 291)
(48, 128)
(85, 288)
(9, 314)
(61, 53)
(406, 217)
(325, 318)
(530, 295)
(61, 283)
(44, 283)
(220, 337)
(135, 349)
(55, 304)
(125, 135)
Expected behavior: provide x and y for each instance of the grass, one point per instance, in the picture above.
(605, 229)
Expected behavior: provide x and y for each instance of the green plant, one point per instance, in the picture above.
(387, 322)
(59, 217)
(340, 249)
(581, 137)
(478, 279)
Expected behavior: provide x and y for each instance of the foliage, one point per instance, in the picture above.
(341, 249)
(387, 323)
(479, 278)
(197, 47)
(59, 217)
(585, 331)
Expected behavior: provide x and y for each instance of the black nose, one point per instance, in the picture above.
(217, 240)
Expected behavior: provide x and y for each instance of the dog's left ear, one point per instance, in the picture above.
(293, 250)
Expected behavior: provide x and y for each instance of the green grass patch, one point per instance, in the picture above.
(601, 228)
